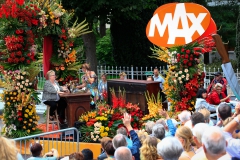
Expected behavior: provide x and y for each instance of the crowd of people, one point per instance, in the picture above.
(194, 138)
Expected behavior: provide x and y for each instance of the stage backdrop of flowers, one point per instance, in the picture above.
(23, 23)
(185, 74)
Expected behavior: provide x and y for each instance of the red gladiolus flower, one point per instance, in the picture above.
(110, 124)
(182, 50)
(188, 51)
(60, 41)
(185, 61)
(189, 64)
(20, 119)
(28, 61)
(20, 2)
(19, 31)
(19, 113)
(186, 56)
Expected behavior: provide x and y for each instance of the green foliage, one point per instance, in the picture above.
(130, 43)
(104, 50)
(225, 17)
(217, 64)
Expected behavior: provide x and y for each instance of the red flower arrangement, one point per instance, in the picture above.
(109, 119)
(19, 43)
(184, 76)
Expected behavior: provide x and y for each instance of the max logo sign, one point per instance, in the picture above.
(179, 23)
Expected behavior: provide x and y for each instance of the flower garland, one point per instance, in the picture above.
(184, 76)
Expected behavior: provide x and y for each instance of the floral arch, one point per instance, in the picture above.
(24, 24)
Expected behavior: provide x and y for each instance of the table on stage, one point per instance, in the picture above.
(77, 103)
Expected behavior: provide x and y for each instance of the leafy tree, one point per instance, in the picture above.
(103, 11)
(104, 50)
(225, 17)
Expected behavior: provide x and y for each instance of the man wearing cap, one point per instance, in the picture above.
(218, 79)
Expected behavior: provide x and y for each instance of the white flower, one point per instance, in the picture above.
(186, 70)
(187, 75)
(26, 84)
(98, 132)
(94, 139)
(21, 86)
(175, 81)
(179, 78)
(18, 84)
(18, 77)
(187, 78)
(183, 76)
(97, 136)
(180, 82)
(180, 72)
(91, 133)
(176, 75)
(23, 73)
(30, 84)
(22, 77)
(17, 88)
(23, 82)
(27, 80)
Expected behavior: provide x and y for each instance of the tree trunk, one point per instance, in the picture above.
(89, 41)
(102, 28)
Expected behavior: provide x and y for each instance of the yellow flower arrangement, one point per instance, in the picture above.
(161, 53)
(154, 104)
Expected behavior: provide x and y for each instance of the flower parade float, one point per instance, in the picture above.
(24, 24)
(184, 75)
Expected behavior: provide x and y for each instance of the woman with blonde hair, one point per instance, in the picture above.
(123, 76)
(217, 96)
(148, 151)
(8, 150)
(185, 136)
(51, 96)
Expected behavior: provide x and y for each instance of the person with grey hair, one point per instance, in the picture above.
(184, 117)
(217, 96)
(198, 131)
(158, 131)
(214, 144)
(123, 153)
(123, 131)
(170, 128)
(148, 127)
(119, 140)
(170, 148)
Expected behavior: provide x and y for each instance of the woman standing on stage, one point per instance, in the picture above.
(89, 80)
